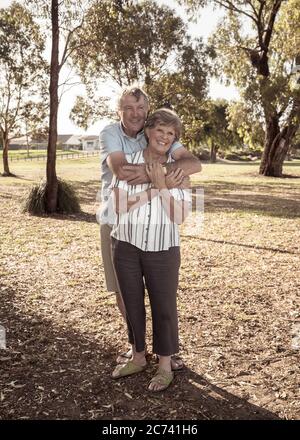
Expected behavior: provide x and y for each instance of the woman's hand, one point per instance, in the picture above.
(174, 178)
(156, 175)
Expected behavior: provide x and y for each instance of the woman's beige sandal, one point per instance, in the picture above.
(124, 356)
(127, 369)
(162, 378)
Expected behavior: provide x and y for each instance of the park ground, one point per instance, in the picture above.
(238, 302)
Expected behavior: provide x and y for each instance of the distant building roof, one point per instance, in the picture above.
(62, 138)
(19, 140)
(89, 138)
(74, 140)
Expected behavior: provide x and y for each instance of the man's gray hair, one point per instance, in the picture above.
(135, 91)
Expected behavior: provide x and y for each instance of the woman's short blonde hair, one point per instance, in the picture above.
(165, 116)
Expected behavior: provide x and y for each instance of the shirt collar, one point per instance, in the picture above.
(138, 136)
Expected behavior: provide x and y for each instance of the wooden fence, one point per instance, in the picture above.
(58, 156)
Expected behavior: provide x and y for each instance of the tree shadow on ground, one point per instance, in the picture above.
(89, 191)
(229, 197)
(81, 216)
(249, 246)
(254, 163)
(219, 196)
(208, 401)
(55, 372)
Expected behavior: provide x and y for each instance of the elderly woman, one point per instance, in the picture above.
(146, 251)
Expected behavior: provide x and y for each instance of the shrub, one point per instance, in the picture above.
(67, 200)
(204, 155)
(232, 156)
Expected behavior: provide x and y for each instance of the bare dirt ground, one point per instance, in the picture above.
(238, 304)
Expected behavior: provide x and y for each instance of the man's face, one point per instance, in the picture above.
(133, 114)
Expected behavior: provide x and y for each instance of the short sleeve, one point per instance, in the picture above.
(175, 147)
(109, 142)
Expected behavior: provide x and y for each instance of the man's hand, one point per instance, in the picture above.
(174, 179)
(156, 174)
(186, 183)
(135, 174)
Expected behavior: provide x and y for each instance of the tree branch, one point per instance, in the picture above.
(65, 56)
(260, 24)
(268, 34)
(227, 4)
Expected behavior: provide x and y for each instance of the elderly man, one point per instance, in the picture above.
(116, 140)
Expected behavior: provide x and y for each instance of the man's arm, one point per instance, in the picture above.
(112, 152)
(136, 174)
(185, 160)
(132, 173)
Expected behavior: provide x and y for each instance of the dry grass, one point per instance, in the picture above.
(238, 305)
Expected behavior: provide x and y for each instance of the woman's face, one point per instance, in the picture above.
(161, 137)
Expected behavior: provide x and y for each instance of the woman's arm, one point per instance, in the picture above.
(125, 203)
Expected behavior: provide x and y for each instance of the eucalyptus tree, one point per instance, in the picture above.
(22, 75)
(185, 89)
(65, 17)
(257, 43)
(140, 41)
(127, 41)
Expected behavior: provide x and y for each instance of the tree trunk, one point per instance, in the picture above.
(272, 133)
(213, 152)
(276, 147)
(52, 184)
(5, 156)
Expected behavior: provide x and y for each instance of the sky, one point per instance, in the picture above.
(205, 26)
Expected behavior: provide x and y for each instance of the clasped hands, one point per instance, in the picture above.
(158, 179)
(138, 174)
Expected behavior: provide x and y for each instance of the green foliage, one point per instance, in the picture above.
(67, 200)
(87, 111)
(238, 57)
(256, 45)
(249, 125)
(216, 130)
(35, 200)
(157, 53)
(184, 90)
(128, 43)
(22, 72)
